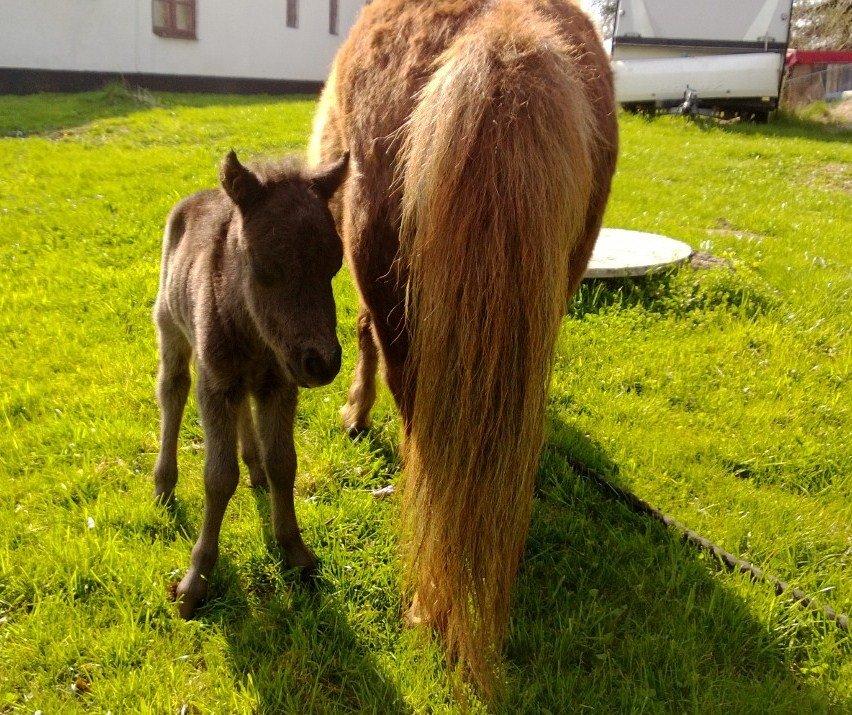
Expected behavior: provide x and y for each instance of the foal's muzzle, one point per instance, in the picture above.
(317, 369)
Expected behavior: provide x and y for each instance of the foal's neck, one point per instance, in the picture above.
(234, 279)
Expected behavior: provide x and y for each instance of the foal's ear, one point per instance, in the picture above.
(239, 183)
(326, 179)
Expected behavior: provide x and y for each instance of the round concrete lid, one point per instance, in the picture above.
(621, 254)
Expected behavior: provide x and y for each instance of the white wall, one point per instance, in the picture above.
(68, 34)
(235, 39)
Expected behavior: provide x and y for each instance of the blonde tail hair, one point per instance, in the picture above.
(496, 186)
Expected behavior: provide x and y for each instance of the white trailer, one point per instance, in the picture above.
(710, 56)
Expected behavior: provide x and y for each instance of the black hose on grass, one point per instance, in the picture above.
(694, 539)
(727, 559)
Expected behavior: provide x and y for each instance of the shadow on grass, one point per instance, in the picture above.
(679, 291)
(54, 114)
(785, 127)
(597, 295)
(290, 643)
(296, 651)
(611, 612)
(616, 610)
(781, 127)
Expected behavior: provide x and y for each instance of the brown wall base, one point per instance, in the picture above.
(29, 81)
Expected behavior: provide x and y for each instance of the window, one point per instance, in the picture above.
(292, 13)
(333, 16)
(174, 18)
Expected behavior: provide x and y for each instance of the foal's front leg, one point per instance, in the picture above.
(219, 416)
(275, 413)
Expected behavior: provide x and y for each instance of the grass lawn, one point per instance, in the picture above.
(721, 396)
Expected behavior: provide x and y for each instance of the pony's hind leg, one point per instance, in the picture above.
(173, 383)
(248, 447)
(219, 416)
(355, 414)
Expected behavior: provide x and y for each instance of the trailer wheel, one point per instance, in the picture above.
(638, 108)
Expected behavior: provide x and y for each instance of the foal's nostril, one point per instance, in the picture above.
(313, 365)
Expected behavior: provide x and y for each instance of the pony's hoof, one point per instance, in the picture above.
(189, 594)
(355, 433)
(413, 617)
(354, 427)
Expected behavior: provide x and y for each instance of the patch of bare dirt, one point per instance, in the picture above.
(703, 261)
(834, 176)
(726, 228)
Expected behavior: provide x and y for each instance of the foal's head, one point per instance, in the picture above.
(290, 251)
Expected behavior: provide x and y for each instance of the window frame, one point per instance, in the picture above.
(333, 17)
(291, 14)
(171, 30)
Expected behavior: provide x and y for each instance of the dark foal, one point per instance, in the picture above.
(245, 287)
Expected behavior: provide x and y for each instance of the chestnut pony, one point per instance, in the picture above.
(483, 137)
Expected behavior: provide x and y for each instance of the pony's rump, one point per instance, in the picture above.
(496, 174)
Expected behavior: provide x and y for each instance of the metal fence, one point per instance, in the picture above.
(827, 83)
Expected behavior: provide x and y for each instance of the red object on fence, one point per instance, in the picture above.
(818, 57)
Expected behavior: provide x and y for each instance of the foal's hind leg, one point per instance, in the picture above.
(362, 394)
(173, 382)
(219, 416)
(275, 413)
(248, 447)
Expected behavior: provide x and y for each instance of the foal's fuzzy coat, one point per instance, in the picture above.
(246, 287)
(484, 139)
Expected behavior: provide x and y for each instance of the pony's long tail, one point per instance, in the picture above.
(496, 185)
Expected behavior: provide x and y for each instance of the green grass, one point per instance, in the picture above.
(720, 396)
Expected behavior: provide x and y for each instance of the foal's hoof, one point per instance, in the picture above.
(258, 481)
(165, 481)
(299, 556)
(189, 594)
(309, 576)
(164, 497)
(256, 472)
(164, 489)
